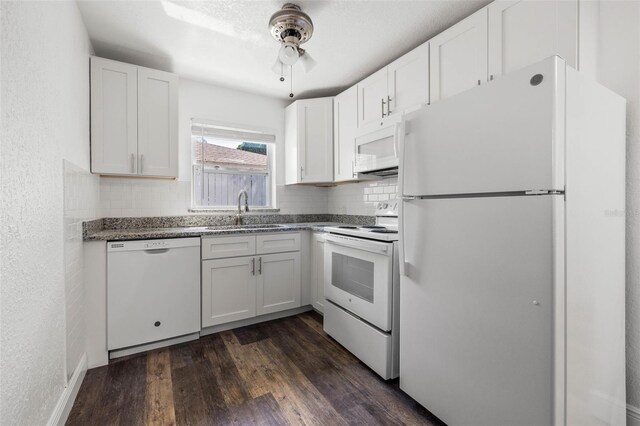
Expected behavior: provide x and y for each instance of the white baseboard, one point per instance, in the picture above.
(68, 397)
(633, 416)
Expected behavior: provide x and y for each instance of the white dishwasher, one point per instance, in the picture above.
(153, 290)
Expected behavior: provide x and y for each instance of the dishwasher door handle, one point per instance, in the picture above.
(156, 251)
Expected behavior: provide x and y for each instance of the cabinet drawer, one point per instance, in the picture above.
(277, 243)
(221, 247)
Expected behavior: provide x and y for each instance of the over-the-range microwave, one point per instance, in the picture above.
(376, 148)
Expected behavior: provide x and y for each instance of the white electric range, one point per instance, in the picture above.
(362, 289)
(385, 229)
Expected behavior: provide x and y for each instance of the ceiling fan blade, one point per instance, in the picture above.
(277, 67)
(308, 63)
(280, 69)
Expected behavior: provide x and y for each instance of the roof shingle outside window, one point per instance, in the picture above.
(230, 158)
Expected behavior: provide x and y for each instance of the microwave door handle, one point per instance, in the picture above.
(396, 137)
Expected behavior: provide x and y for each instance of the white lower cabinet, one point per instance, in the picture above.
(278, 277)
(317, 271)
(228, 290)
(241, 287)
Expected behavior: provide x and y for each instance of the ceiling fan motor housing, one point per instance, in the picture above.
(291, 24)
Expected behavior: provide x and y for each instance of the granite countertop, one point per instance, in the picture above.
(197, 231)
(143, 228)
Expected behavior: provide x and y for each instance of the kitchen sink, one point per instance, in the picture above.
(258, 226)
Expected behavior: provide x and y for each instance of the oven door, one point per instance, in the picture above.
(358, 277)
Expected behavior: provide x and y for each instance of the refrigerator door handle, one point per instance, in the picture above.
(400, 141)
(401, 250)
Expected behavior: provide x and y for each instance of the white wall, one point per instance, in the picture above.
(44, 105)
(619, 69)
(81, 201)
(137, 197)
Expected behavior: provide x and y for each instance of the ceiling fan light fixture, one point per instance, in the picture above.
(291, 27)
(288, 53)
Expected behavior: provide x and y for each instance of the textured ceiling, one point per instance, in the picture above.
(227, 42)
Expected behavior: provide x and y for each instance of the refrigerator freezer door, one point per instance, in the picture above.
(477, 308)
(504, 136)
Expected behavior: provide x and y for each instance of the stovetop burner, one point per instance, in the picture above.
(372, 227)
(384, 231)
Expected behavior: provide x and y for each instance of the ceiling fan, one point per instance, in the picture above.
(291, 27)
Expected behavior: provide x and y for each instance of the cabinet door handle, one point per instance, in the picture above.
(253, 266)
(133, 163)
(301, 172)
(382, 102)
(478, 82)
(260, 266)
(388, 105)
(141, 163)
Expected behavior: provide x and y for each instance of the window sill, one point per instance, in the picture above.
(233, 210)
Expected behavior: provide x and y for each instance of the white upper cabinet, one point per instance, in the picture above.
(401, 85)
(157, 123)
(309, 141)
(459, 57)
(522, 32)
(134, 120)
(114, 117)
(345, 124)
(409, 80)
(372, 97)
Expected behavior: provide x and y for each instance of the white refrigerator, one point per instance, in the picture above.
(512, 252)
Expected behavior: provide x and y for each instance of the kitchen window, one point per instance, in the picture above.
(226, 160)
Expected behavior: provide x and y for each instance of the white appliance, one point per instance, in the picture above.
(376, 148)
(361, 288)
(153, 291)
(512, 240)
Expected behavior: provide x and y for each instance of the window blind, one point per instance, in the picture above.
(229, 133)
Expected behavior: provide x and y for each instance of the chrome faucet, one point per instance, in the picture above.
(246, 205)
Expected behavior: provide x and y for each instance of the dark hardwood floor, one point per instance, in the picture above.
(286, 371)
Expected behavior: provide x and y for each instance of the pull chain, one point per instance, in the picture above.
(291, 83)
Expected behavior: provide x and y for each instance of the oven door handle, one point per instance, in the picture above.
(381, 248)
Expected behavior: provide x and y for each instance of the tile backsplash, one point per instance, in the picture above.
(142, 198)
(361, 198)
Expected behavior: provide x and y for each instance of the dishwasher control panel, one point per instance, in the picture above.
(156, 244)
(152, 244)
